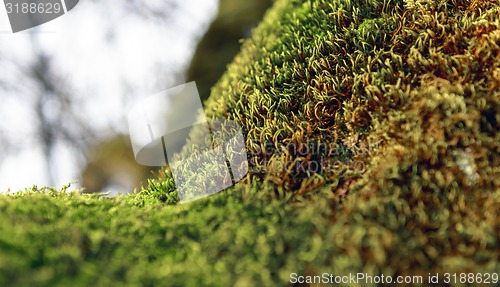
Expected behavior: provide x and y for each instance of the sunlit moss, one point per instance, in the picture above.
(411, 88)
(408, 115)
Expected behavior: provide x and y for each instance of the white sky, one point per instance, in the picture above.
(140, 61)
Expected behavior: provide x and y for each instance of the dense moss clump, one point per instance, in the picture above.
(418, 80)
(392, 106)
(371, 128)
(406, 96)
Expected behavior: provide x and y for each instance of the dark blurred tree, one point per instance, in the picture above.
(112, 163)
(54, 110)
(221, 43)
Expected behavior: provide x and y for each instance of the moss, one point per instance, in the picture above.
(55, 238)
(405, 95)
(398, 101)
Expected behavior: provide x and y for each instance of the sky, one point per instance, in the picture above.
(110, 57)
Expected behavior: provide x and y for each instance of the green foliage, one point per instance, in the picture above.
(408, 89)
(66, 239)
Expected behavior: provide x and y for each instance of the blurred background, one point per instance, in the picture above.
(65, 86)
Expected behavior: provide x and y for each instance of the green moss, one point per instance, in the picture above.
(54, 238)
(403, 95)
(409, 90)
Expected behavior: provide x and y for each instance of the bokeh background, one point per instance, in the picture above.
(65, 86)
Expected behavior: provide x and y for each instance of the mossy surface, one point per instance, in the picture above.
(403, 99)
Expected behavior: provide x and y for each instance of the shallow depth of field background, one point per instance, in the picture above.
(65, 86)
